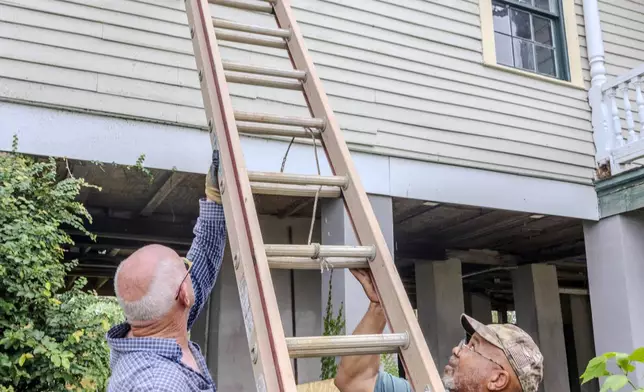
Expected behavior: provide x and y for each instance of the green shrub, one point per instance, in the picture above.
(333, 326)
(50, 339)
(597, 368)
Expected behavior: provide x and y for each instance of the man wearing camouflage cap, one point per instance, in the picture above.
(495, 357)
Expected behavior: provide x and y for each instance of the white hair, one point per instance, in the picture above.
(159, 299)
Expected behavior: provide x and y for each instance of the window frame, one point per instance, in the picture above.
(566, 41)
(558, 36)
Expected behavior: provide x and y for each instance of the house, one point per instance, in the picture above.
(498, 139)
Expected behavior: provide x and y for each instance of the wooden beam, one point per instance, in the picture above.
(71, 282)
(163, 192)
(491, 229)
(101, 282)
(81, 171)
(483, 256)
(114, 252)
(294, 207)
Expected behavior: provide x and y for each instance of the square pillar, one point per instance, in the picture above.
(336, 229)
(615, 261)
(582, 326)
(478, 306)
(439, 299)
(538, 310)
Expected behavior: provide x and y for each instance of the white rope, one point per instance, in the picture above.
(317, 193)
(324, 263)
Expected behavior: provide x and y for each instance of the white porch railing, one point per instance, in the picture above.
(618, 120)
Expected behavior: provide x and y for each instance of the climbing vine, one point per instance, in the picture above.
(51, 337)
(333, 326)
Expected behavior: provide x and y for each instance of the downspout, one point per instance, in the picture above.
(596, 59)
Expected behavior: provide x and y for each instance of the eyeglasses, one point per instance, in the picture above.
(463, 343)
(188, 265)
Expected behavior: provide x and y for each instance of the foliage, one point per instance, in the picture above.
(333, 325)
(597, 368)
(390, 364)
(50, 339)
(138, 166)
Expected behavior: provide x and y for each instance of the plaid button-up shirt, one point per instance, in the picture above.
(154, 364)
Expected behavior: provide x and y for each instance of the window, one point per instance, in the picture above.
(530, 35)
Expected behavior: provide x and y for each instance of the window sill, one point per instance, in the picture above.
(504, 68)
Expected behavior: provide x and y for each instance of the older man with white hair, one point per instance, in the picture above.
(161, 295)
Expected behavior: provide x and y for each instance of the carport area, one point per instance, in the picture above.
(491, 263)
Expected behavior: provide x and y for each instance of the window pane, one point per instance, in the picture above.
(501, 18)
(521, 24)
(544, 5)
(546, 61)
(542, 30)
(523, 54)
(503, 45)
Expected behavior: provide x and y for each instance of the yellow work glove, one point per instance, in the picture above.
(212, 178)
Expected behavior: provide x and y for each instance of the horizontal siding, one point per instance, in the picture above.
(404, 77)
(623, 31)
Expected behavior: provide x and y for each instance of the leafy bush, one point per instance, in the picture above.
(51, 339)
(597, 368)
(333, 326)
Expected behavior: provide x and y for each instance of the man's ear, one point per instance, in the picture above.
(499, 381)
(184, 296)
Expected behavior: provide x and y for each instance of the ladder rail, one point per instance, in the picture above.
(265, 334)
(416, 357)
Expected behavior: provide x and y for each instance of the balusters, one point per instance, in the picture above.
(639, 99)
(610, 140)
(617, 124)
(628, 112)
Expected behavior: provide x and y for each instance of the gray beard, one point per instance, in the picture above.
(449, 384)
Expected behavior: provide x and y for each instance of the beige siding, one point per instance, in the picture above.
(623, 31)
(404, 77)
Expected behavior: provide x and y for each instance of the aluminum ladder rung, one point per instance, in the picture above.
(294, 190)
(281, 73)
(317, 251)
(331, 346)
(244, 39)
(267, 130)
(249, 5)
(280, 120)
(230, 25)
(262, 81)
(297, 179)
(306, 263)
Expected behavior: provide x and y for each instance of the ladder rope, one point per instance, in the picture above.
(324, 263)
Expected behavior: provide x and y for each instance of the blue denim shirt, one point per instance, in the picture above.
(388, 383)
(154, 364)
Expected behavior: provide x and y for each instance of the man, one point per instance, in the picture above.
(161, 295)
(494, 357)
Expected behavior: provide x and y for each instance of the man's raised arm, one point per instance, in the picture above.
(207, 250)
(361, 373)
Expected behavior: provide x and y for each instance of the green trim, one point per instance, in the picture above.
(621, 193)
(563, 63)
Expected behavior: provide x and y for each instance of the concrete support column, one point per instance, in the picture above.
(478, 306)
(582, 326)
(338, 230)
(536, 301)
(220, 329)
(615, 260)
(439, 299)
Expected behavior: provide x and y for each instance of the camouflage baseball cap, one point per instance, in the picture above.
(519, 348)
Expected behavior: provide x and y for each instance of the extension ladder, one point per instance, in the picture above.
(270, 350)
